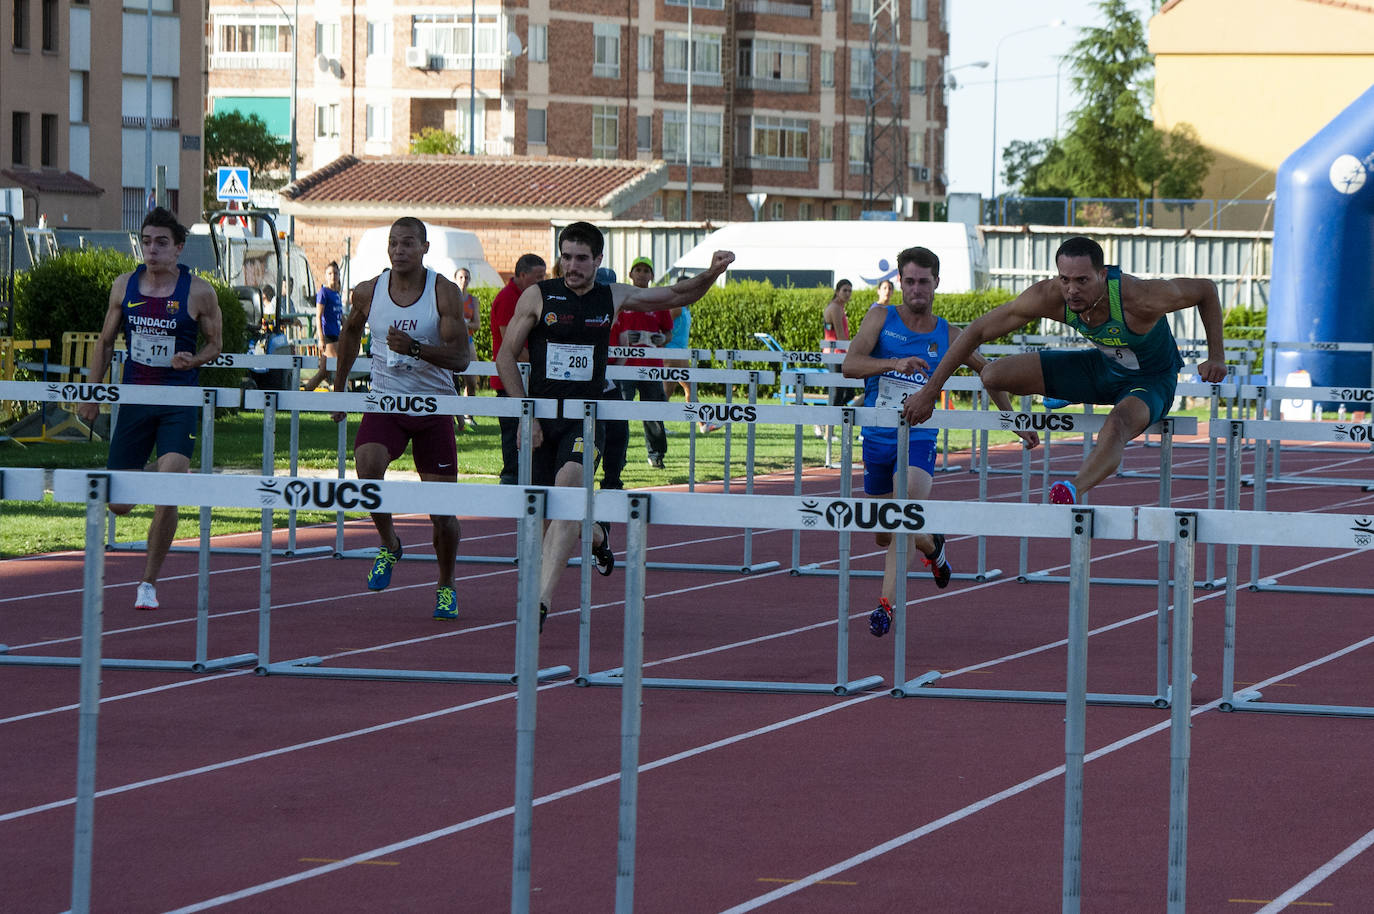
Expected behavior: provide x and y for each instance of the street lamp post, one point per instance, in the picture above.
(1054, 24)
(293, 21)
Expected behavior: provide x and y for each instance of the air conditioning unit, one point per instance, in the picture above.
(417, 58)
(922, 172)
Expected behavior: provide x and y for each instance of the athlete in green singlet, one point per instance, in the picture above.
(1133, 366)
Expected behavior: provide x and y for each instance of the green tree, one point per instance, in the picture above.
(231, 138)
(433, 141)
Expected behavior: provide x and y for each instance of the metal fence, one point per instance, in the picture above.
(1112, 212)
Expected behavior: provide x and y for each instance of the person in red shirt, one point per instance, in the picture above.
(529, 269)
(649, 329)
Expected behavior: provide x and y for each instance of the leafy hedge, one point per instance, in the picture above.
(71, 292)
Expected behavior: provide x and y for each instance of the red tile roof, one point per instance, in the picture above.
(482, 181)
(53, 182)
(1341, 4)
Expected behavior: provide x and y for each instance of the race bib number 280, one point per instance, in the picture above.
(567, 362)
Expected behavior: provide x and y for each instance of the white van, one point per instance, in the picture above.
(449, 249)
(808, 254)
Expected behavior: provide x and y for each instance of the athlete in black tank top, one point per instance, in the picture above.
(568, 342)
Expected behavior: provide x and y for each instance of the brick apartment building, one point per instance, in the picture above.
(779, 100)
(74, 126)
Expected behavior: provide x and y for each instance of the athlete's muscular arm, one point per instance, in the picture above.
(681, 293)
(452, 351)
(351, 335)
(204, 307)
(527, 309)
(1040, 300)
(859, 361)
(1164, 296)
(104, 345)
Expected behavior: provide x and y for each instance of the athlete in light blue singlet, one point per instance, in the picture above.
(1133, 366)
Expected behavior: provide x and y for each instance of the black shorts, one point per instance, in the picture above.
(141, 426)
(1085, 376)
(562, 444)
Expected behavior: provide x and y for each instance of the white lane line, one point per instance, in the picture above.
(1318, 875)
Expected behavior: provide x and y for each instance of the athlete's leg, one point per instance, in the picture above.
(370, 460)
(560, 537)
(918, 483)
(164, 524)
(1124, 423)
(1016, 374)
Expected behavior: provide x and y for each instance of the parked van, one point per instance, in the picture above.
(807, 254)
(449, 249)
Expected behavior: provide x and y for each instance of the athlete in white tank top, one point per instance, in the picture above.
(397, 372)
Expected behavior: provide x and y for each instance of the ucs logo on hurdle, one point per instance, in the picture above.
(721, 412)
(1355, 432)
(1024, 422)
(865, 514)
(664, 374)
(412, 406)
(86, 393)
(1364, 532)
(1354, 394)
(346, 494)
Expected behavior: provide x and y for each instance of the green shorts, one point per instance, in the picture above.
(1085, 376)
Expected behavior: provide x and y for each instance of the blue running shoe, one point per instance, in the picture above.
(1055, 402)
(445, 604)
(380, 575)
(880, 621)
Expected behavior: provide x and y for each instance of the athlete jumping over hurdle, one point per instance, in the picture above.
(892, 353)
(1133, 367)
(567, 323)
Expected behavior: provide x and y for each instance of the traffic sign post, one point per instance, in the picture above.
(231, 184)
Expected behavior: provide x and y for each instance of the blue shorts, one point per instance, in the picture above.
(880, 462)
(1085, 376)
(141, 426)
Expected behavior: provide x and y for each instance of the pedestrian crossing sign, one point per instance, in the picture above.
(232, 184)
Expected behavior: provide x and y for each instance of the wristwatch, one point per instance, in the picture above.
(414, 350)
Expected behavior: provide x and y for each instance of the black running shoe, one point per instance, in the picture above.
(935, 561)
(602, 556)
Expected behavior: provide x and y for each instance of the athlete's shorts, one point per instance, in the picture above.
(562, 443)
(434, 445)
(880, 462)
(1085, 376)
(141, 426)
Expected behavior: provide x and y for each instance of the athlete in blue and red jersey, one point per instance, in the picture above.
(1133, 366)
(170, 320)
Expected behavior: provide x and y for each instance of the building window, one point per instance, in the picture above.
(250, 41)
(49, 25)
(606, 59)
(706, 137)
(21, 24)
(804, 211)
(644, 133)
(328, 40)
(827, 6)
(47, 141)
(379, 39)
(79, 96)
(672, 209)
(699, 4)
(777, 213)
(860, 72)
(780, 143)
(843, 212)
(828, 69)
(19, 138)
(379, 123)
(536, 126)
(918, 76)
(858, 148)
(916, 148)
(777, 65)
(705, 59)
(327, 122)
(539, 43)
(827, 144)
(449, 38)
(605, 131)
(920, 9)
(646, 52)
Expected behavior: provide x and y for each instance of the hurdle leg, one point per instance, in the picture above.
(1076, 705)
(295, 462)
(530, 536)
(1180, 739)
(341, 446)
(1166, 466)
(631, 699)
(92, 608)
(207, 465)
(584, 627)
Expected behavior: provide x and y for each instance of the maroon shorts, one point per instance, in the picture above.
(435, 444)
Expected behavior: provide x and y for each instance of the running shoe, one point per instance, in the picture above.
(380, 575)
(543, 614)
(146, 597)
(1055, 402)
(656, 461)
(603, 556)
(936, 562)
(880, 621)
(1063, 493)
(445, 604)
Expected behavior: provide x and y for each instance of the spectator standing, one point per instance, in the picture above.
(649, 329)
(529, 269)
(328, 320)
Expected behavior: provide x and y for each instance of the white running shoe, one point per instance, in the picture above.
(147, 596)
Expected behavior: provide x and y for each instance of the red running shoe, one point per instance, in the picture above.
(1063, 493)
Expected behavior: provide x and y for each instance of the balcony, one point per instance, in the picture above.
(772, 84)
(159, 123)
(776, 8)
(236, 61)
(775, 163)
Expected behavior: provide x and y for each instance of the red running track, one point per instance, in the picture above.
(235, 792)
